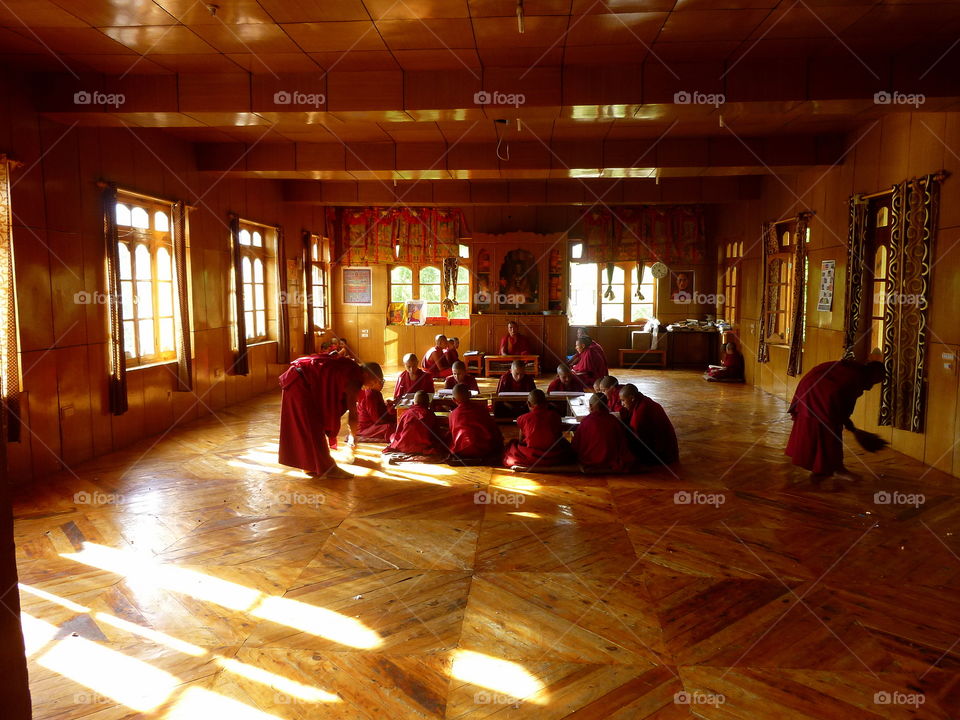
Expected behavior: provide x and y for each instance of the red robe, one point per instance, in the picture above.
(613, 398)
(423, 381)
(474, 434)
(374, 420)
(651, 436)
(470, 381)
(314, 399)
(418, 433)
(592, 364)
(435, 363)
(542, 442)
(518, 345)
(732, 368)
(824, 400)
(601, 443)
(507, 384)
(557, 385)
(451, 356)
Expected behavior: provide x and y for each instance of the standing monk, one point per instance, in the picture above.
(375, 420)
(475, 437)
(317, 391)
(591, 364)
(412, 379)
(541, 437)
(435, 359)
(513, 343)
(821, 409)
(601, 440)
(650, 433)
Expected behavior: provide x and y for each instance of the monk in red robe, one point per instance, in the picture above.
(730, 368)
(516, 380)
(317, 391)
(592, 363)
(650, 435)
(452, 353)
(376, 421)
(412, 379)
(601, 440)
(513, 343)
(821, 408)
(541, 440)
(475, 437)
(461, 376)
(565, 381)
(419, 431)
(609, 386)
(434, 360)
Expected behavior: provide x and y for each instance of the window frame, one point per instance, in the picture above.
(416, 292)
(629, 290)
(266, 254)
(730, 262)
(155, 240)
(779, 333)
(879, 237)
(319, 262)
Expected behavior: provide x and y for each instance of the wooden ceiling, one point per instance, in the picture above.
(389, 85)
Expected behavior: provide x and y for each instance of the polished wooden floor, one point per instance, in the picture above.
(193, 577)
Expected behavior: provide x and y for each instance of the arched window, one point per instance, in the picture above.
(883, 217)
(641, 309)
(161, 221)
(123, 215)
(139, 218)
(878, 299)
(256, 268)
(462, 310)
(430, 291)
(401, 284)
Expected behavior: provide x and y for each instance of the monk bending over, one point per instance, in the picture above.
(591, 363)
(435, 359)
(601, 440)
(516, 380)
(317, 391)
(419, 431)
(609, 386)
(475, 437)
(650, 435)
(541, 440)
(376, 421)
(412, 379)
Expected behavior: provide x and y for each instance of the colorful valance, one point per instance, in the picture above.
(645, 234)
(373, 235)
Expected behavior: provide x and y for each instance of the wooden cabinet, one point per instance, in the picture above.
(547, 335)
(693, 349)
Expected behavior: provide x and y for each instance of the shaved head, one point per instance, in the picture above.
(536, 397)
(607, 382)
(421, 398)
(598, 401)
(374, 368)
(461, 393)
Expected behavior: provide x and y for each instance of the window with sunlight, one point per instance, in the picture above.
(257, 271)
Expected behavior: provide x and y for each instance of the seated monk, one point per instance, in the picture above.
(591, 364)
(513, 343)
(651, 435)
(376, 421)
(460, 375)
(565, 381)
(419, 431)
(572, 359)
(516, 380)
(609, 386)
(601, 440)
(541, 440)
(452, 353)
(435, 360)
(730, 368)
(412, 379)
(475, 438)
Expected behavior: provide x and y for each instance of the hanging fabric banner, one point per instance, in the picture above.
(10, 349)
(648, 233)
(373, 235)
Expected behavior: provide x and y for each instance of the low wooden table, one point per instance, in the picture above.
(490, 360)
(652, 358)
(473, 362)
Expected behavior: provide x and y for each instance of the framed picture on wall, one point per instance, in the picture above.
(681, 286)
(357, 286)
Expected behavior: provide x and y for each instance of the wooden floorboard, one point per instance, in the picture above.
(191, 576)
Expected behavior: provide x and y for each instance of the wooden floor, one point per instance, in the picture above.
(192, 577)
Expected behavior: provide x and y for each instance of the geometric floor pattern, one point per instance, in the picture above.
(191, 576)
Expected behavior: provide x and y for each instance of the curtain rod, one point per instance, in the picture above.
(143, 196)
(939, 176)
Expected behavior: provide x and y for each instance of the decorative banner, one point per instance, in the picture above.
(377, 235)
(357, 286)
(827, 272)
(669, 234)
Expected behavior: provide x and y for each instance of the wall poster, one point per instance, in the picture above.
(827, 272)
(357, 286)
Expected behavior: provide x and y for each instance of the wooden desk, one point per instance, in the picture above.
(651, 358)
(438, 402)
(529, 360)
(474, 362)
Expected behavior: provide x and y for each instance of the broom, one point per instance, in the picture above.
(869, 441)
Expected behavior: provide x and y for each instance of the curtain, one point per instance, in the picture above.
(795, 360)
(118, 361)
(182, 310)
(769, 245)
(914, 208)
(283, 298)
(240, 364)
(10, 350)
(647, 234)
(309, 338)
(853, 296)
(374, 235)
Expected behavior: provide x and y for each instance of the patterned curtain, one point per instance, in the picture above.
(308, 337)
(795, 361)
(283, 306)
(769, 246)
(914, 208)
(647, 234)
(111, 251)
(10, 345)
(374, 235)
(182, 309)
(853, 297)
(241, 365)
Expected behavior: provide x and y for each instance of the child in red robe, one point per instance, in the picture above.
(730, 368)
(475, 436)
(601, 440)
(565, 381)
(452, 353)
(516, 380)
(412, 379)
(419, 432)
(609, 386)
(461, 376)
(541, 440)
(650, 433)
(435, 360)
(591, 363)
(317, 391)
(376, 421)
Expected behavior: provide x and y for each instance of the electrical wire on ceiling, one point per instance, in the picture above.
(520, 19)
(500, 136)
